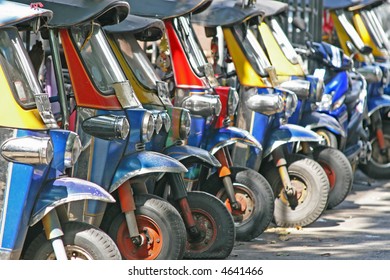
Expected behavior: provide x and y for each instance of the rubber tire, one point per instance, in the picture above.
(313, 176)
(254, 184)
(336, 165)
(373, 169)
(329, 137)
(208, 206)
(97, 243)
(164, 215)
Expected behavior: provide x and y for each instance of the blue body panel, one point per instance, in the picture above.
(185, 152)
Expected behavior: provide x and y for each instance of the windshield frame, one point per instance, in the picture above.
(350, 30)
(375, 29)
(23, 64)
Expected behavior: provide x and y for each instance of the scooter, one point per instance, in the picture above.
(35, 155)
(154, 95)
(300, 184)
(289, 67)
(113, 128)
(377, 75)
(244, 191)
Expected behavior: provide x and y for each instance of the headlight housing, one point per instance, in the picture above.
(108, 127)
(300, 87)
(290, 101)
(233, 100)
(204, 105)
(326, 102)
(371, 73)
(28, 150)
(72, 149)
(148, 127)
(185, 124)
(158, 121)
(267, 104)
(167, 123)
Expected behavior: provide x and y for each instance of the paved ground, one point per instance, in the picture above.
(357, 229)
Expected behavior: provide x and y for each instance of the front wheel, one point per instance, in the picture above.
(379, 165)
(82, 242)
(312, 190)
(213, 220)
(339, 172)
(255, 196)
(160, 225)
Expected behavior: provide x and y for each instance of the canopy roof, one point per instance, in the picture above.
(227, 13)
(72, 12)
(340, 4)
(367, 4)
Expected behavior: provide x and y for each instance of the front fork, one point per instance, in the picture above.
(223, 156)
(281, 165)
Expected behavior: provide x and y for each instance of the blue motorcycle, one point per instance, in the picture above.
(35, 157)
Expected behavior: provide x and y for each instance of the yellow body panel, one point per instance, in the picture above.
(245, 72)
(12, 114)
(144, 95)
(366, 37)
(343, 37)
(284, 68)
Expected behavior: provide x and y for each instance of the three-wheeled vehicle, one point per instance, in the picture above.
(35, 154)
(245, 192)
(289, 67)
(125, 39)
(377, 76)
(100, 105)
(300, 184)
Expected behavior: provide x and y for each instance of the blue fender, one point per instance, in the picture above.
(289, 133)
(190, 153)
(144, 162)
(230, 135)
(377, 102)
(316, 120)
(63, 190)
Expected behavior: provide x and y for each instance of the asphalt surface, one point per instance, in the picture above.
(357, 229)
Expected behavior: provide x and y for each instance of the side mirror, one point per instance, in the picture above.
(299, 23)
(366, 50)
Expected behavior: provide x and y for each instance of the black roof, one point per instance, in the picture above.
(72, 12)
(227, 13)
(165, 9)
(144, 28)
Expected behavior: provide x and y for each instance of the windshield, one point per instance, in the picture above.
(137, 59)
(18, 68)
(351, 31)
(252, 49)
(376, 30)
(98, 57)
(190, 44)
(283, 41)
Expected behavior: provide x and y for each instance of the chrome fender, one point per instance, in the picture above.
(289, 133)
(230, 135)
(144, 162)
(185, 153)
(63, 190)
(375, 103)
(316, 120)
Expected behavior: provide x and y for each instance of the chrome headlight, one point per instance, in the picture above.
(147, 127)
(290, 100)
(203, 105)
(72, 149)
(326, 102)
(158, 121)
(233, 100)
(166, 121)
(267, 104)
(107, 127)
(185, 124)
(28, 150)
(300, 87)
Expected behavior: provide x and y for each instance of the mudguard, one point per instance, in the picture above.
(230, 135)
(63, 190)
(189, 154)
(375, 103)
(289, 133)
(316, 120)
(144, 162)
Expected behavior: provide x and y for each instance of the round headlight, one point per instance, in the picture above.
(158, 121)
(147, 127)
(72, 149)
(232, 101)
(185, 124)
(166, 121)
(326, 102)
